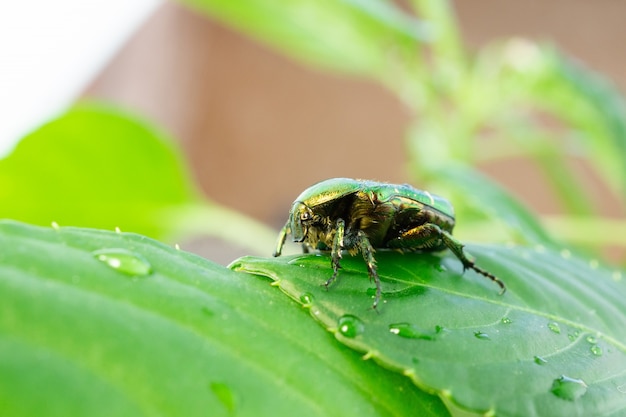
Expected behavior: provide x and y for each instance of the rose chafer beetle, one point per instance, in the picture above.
(362, 216)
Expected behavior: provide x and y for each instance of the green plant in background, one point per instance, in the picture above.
(102, 322)
(469, 108)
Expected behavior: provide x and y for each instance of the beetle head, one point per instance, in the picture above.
(302, 217)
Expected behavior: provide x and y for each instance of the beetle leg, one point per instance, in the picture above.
(457, 248)
(281, 239)
(335, 254)
(367, 250)
(429, 235)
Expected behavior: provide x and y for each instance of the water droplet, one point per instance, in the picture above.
(591, 339)
(350, 326)
(539, 360)
(409, 331)
(566, 254)
(568, 388)
(118, 230)
(506, 320)
(55, 225)
(177, 246)
(622, 388)
(225, 395)
(554, 327)
(306, 299)
(481, 335)
(596, 350)
(123, 260)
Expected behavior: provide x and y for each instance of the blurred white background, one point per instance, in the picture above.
(49, 52)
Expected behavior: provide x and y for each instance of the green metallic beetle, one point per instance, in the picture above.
(361, 216)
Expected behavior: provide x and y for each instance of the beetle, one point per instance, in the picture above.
(361, 216)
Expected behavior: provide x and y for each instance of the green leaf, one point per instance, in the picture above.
(554, 344)
(163, 332)
(99, 167)
(358, 36)
(593, 106)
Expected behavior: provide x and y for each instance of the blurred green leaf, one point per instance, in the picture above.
(552, 345)
(99, 167)
(594, 107)
(484, 210)
(358, 36)
(583, 112)
(185, 337)
(94, 166)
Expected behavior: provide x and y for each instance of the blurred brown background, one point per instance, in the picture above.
(258, 128)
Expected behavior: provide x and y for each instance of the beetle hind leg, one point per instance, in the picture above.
(457, 248)
(429, 236)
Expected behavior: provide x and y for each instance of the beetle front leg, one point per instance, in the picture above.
(367, 250)
(335, 254)
(281, 239)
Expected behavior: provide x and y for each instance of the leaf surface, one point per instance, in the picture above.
(101, 323)
(554, 344)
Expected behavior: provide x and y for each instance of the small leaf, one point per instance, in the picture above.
(80, 338)
(484, 352)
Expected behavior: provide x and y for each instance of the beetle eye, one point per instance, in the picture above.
(305, 216)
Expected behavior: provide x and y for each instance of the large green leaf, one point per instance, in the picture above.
(102, 323)
(553, 345)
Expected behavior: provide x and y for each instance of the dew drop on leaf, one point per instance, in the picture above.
(568, 388)
(506, 320)
(591, 339)
(409, 331)
(350, 326)
(539, 360)
(481, 335)
(554, 327)
(306, 298)
(124, 261)
(596, 350)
